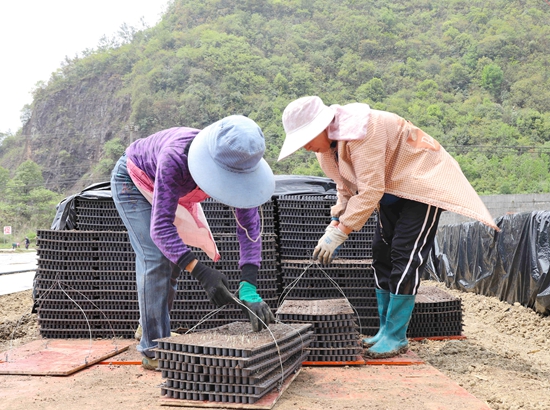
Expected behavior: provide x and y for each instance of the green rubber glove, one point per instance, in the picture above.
(257, 311)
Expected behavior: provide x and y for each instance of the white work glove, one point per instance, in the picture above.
(327, 245)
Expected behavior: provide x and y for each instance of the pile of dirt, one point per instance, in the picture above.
(18, 325)
(503, 361)
(505, 358)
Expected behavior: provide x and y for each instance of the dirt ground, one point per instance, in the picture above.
(504, 362)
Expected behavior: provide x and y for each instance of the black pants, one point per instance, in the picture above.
(402, 242)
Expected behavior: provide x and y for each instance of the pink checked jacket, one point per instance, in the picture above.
(398, 158)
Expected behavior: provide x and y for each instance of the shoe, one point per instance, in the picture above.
(150, 364)
(139, 332)
(394, 340)
(383, 300)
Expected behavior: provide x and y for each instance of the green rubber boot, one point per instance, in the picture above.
(383, 300)
(394, 340)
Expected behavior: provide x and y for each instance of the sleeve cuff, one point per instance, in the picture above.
(186, 259)
(249, 273)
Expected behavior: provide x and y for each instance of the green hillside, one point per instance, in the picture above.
(474, 74)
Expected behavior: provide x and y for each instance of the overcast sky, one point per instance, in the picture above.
(36, 35)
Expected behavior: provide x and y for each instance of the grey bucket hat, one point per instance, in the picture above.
(225, 160)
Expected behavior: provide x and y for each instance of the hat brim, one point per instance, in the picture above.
(297, 139)
(239, 190)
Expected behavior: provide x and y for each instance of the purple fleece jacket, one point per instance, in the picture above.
(163, 157)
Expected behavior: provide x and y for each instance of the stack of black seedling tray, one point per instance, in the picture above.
(98, 215)
(436, 314)
(85, 284)
(230, 363)
(302, 221)
(353, 280)
(335, 326)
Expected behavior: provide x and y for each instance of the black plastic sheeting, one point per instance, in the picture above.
(511, 265)
(303, 185)
(65, 218)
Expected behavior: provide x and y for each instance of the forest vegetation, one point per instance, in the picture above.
(473, 74)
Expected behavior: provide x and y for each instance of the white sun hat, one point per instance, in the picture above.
(225, 160)
(303, 120)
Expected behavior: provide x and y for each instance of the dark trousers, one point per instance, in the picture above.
(402, 242)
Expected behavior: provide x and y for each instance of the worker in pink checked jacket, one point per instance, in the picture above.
(381, 161)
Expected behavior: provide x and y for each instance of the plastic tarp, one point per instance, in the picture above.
(65, 217)
(303, 185)
(511, 265)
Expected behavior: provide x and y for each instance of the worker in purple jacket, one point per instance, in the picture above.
(171, 171)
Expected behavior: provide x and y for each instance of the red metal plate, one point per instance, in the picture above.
(58, 357)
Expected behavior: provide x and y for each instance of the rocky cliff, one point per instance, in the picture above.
(69, 126)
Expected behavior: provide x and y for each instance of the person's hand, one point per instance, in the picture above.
(214, 283)
(259, 313)
(333, 224)
(327, 246)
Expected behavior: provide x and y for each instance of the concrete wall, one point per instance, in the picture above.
(499, 205)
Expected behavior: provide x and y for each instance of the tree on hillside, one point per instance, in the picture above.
(112, 150)
(491, 78)
(372, 91)
(26, 200)
(28, 176)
